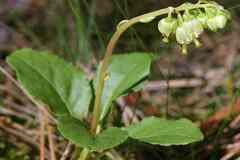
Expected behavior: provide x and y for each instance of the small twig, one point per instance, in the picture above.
(42, 134)
(178, 83)
(8, 98)
(114, 155)
(67, 151)
(27, 109)
(51, 142)
(9, 76)
(50, 139)
(12, 92)
(9, 112)
(15, 132)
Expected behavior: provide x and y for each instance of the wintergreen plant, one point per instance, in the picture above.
(69, 93)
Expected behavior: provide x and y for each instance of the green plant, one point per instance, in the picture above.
(69, 93)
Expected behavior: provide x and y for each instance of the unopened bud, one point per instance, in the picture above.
(165, 39)
(197, 43)
(184, 49)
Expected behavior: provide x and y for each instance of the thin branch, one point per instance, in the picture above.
(9, 76)
(50, 139)
(178, 83)
(42, 134)
(114, 155)
(67, 151)
(17, 133)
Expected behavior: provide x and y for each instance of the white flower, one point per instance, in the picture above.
(167, 26)
(217, 22)
(196, 27)
(188, 31)
(183, 35)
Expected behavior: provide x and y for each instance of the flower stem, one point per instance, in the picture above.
(84, 154)
(114, 155)
(122, 27)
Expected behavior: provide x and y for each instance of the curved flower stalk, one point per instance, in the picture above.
(185, 23)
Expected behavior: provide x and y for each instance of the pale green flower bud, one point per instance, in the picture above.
(198, 14)
(221, 21)
(167, 26)
(188, 31)
(217, 22)
(192, 23)
(184, 35)
(217, 17)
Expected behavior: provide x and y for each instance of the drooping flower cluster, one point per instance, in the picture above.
(186, 27)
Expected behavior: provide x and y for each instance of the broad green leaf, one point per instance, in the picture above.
(52, 81)
(165, 132)
(75, 131)
(124, 72)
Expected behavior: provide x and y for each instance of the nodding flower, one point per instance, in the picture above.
(189, 25)
(217, 21)
(167, 26)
